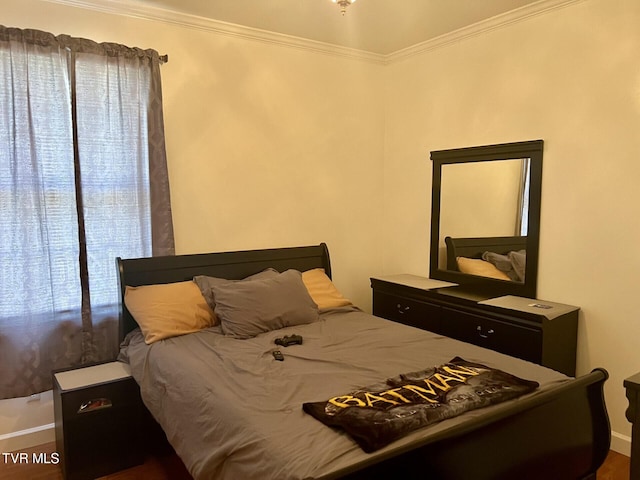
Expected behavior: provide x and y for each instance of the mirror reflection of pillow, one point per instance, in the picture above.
(501, 262)
(512, 264)
(519, 262)
(475, 266)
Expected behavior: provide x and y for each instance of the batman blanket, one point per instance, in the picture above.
(376, 415)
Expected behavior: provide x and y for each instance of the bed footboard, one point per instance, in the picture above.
(561, 434)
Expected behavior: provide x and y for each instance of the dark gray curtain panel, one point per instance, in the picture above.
(83, 179)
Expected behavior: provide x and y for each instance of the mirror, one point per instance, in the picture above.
(485, 217)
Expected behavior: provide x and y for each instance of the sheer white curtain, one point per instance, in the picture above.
(82, 180)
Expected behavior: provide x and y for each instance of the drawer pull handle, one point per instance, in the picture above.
(95, 404)
(402, 310)
(483, 335)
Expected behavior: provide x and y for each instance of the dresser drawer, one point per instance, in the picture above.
(406, 310)
(516, 340)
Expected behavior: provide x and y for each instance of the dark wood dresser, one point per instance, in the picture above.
(535, 330)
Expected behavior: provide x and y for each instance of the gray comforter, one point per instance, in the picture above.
(233, 412)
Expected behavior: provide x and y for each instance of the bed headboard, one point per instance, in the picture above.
(230, 265)
(475, 247)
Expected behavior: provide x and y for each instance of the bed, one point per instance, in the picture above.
(195, 386)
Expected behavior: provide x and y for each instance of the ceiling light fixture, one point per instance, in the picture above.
(343, 4)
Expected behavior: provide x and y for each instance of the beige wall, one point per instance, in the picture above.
(572, 78)
(271, 146)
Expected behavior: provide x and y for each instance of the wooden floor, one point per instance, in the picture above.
(615, 467)
(169, 467)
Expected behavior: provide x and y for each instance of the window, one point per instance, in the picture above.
(82, 180)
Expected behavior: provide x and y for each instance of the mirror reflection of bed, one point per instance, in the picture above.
(501, 258)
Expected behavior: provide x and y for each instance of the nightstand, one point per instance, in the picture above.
(98, 414)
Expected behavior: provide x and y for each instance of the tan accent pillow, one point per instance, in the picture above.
(168, 310)
(322, 289)
(475, 266)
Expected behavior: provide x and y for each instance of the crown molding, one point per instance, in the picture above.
(147, 12)
(484, 26)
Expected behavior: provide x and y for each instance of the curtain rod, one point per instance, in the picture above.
(164, 58)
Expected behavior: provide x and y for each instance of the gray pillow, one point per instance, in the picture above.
(501, 262)
(513, 263)
(205, 283)
(519, 262)
(250, 307)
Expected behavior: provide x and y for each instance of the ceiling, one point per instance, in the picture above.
(381, 27)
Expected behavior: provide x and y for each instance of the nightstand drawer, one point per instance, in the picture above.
(82, 403)
(516, 340)
(407, 311)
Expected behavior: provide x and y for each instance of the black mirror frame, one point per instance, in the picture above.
(530, 149)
